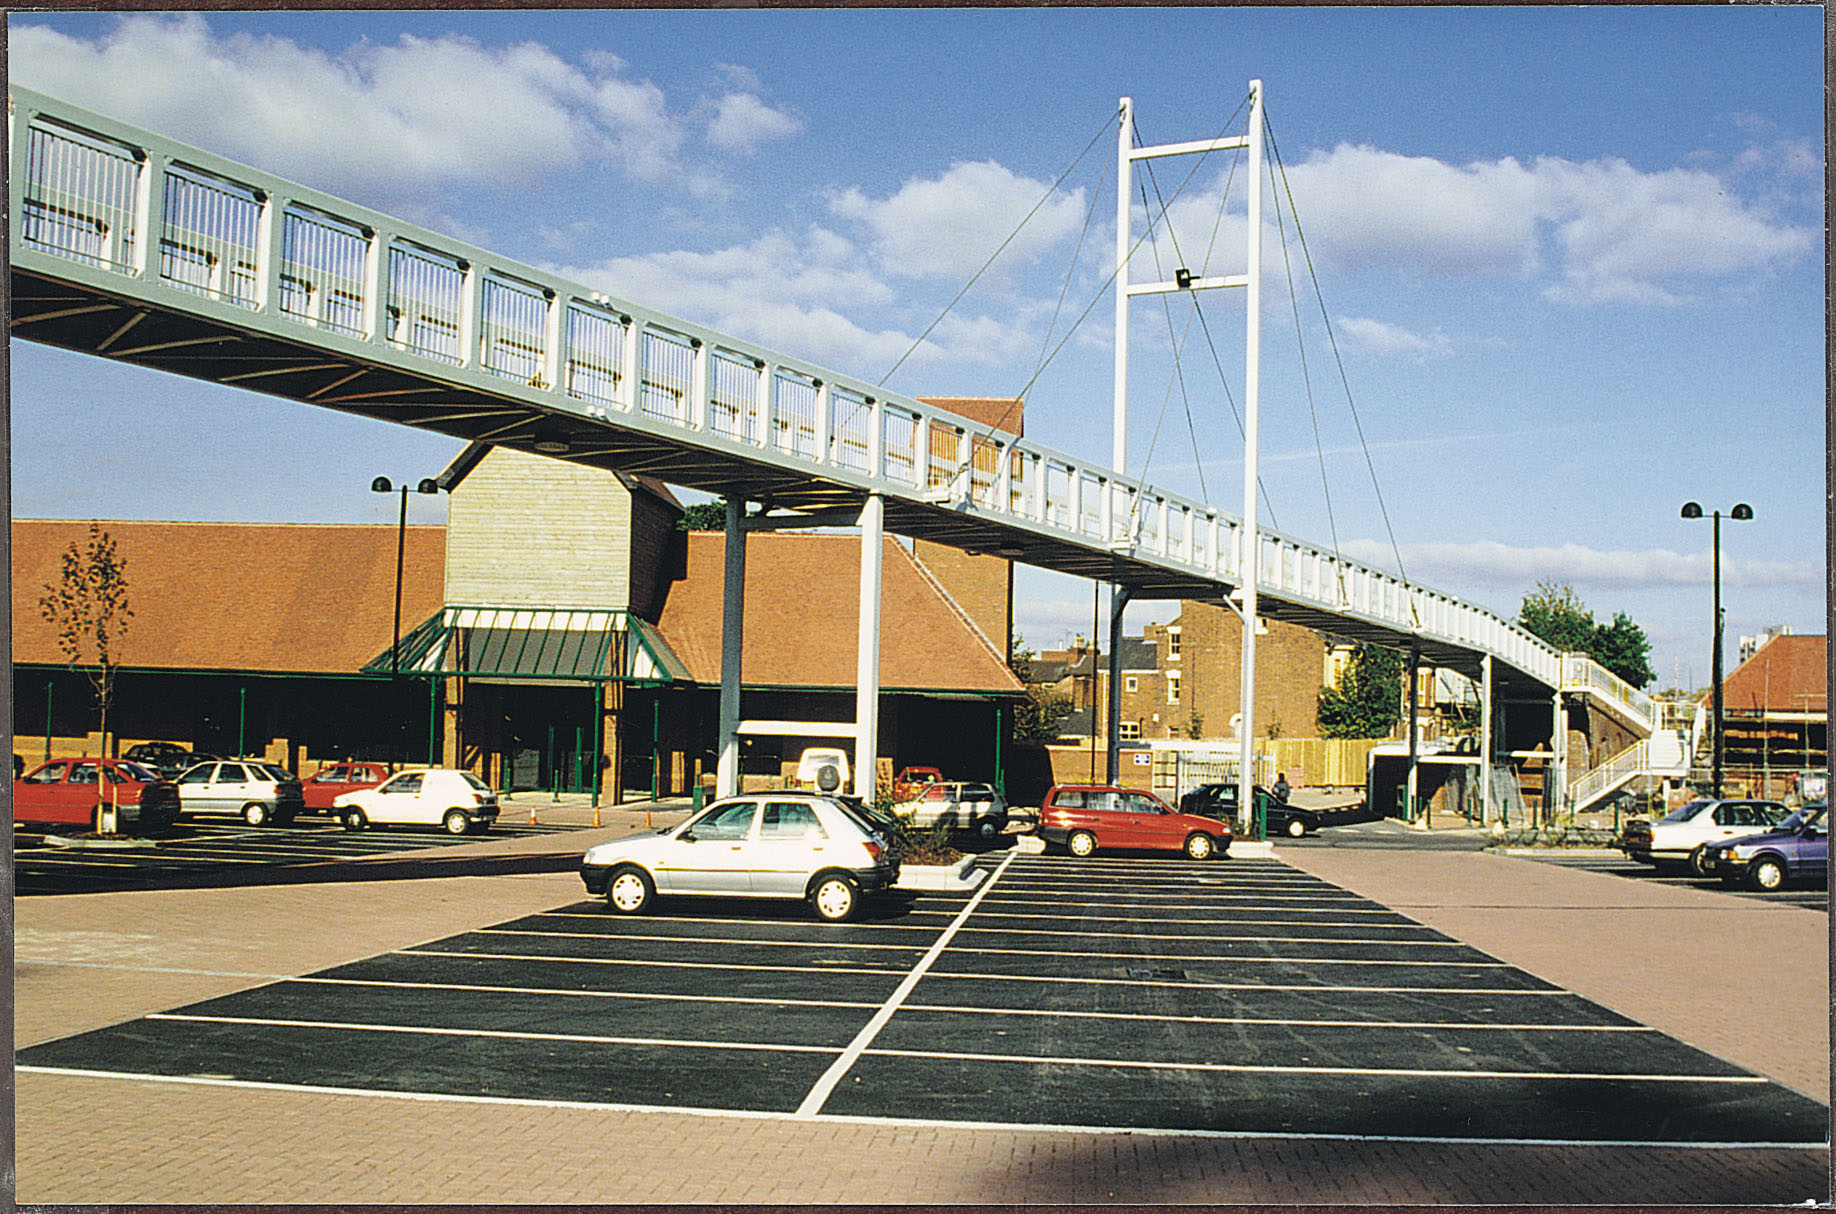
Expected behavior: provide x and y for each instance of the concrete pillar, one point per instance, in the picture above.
(1415, 657)
(1118, 603)
(867, 668)
(732, 628)
(1485, 738)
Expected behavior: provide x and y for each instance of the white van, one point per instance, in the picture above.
(427, 796)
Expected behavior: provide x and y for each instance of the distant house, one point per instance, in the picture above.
(1775, 714)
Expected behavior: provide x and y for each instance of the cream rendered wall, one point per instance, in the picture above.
(524, 529)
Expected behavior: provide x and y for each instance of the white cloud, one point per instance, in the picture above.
(1599, 231)
(393, 118)
(798, 294)
(1493, 564)
(947, 226)
(1380, 337)
(742, 122)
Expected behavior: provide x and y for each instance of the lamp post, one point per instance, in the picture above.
(1743, 512)
(381, 485)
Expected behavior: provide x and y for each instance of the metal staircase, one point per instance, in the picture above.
(1662, 754)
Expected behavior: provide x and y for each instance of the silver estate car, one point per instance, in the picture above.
(762, 845)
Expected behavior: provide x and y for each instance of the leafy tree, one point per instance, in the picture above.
(88, 606)
(1556, 614)
(1036, 718)
(1621, 647)
(1365, 701)
(703, 516)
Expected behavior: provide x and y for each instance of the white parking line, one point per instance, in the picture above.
(819, 1094)
(1206, 936)
(662, 996)
(1071, 1014)
(689, 965)
(1310, 987)
(1202, 921)
(722, 940)
(501, 1034)
(1040, 952)
(1255, 1069)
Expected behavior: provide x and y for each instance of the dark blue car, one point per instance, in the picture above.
(1798, 848)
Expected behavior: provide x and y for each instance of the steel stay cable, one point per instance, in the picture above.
(998, 251)
(1109, 280)
(1332, 339)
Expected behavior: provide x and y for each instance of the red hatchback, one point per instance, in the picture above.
(336, 780)
(1084, 817)
(69, 792)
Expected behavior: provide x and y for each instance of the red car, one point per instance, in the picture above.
(66, 792)
(1084, 817)
(336, 780)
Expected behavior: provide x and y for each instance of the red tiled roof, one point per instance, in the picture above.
(802, 618)
(295, 598)
(1786, 674)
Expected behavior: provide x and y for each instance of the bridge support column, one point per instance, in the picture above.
(1485, 739)
(1415, 657)
(1558, 761)
(867, 669)
(1118, 602)
(732, 620)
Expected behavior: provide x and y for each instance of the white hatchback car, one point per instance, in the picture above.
(763, 845)
(428, 796)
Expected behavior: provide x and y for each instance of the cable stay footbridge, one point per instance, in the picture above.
(133, 247)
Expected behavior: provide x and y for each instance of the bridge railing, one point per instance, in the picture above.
(1580, 673)
(111, 203)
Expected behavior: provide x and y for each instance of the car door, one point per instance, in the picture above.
(198, 790)
(1812, 858)
(791, 845)
(1150, 825)
(709, 856)
(45, 795)
(398, 801)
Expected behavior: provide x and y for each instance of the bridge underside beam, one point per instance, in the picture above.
(88, 319)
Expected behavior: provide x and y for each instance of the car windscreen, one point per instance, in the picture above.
(134, 771)
(475, 782)
(1684, 813)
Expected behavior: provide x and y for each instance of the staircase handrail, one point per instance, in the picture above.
(1590, 785)
(1582, 673)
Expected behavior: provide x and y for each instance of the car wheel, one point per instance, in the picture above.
(1081, 843)
(987, 829)
(1766, 873)
(255, 813)
(1296, 828)
(354, 819)
(835, 898)
(456, 822)
(1698, 861)
(1199, 846)
(630, 891)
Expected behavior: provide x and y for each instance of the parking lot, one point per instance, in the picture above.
(221, 849)
(1809, 895)
(1234, 998)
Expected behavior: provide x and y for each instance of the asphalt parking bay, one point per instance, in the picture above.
(1232, 998)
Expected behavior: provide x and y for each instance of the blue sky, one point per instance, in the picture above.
(1572, 257)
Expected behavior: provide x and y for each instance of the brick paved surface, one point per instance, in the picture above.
(85, 961)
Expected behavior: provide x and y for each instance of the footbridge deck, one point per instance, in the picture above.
(133, 247)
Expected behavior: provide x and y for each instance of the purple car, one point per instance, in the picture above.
(1799, 847)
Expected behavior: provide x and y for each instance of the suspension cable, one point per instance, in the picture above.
(998, 251)
(1339, 359)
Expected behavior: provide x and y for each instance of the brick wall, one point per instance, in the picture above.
(983, 586)
(526, 529)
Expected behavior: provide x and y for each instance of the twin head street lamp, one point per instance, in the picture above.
(381, 485)
(1743, 512)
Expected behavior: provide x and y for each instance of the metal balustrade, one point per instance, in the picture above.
(240, 247)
